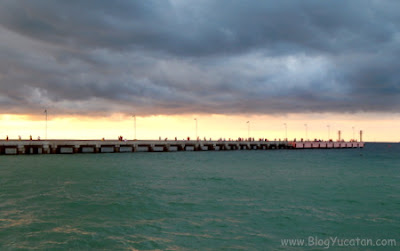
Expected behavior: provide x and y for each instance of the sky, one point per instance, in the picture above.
(316, 66)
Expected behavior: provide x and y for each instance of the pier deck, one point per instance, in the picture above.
(13, 147)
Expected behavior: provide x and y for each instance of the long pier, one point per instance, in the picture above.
(14, 147)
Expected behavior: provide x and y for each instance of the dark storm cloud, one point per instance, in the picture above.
(171, 57)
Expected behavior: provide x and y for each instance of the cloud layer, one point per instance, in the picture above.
(174, 57)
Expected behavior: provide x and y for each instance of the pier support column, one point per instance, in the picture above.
(21, 149)
(46, 149)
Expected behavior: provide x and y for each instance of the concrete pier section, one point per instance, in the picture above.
(14, 147)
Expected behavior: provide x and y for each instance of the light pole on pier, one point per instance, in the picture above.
(45, 112)
(329, 132)
(306, 126)
(196, 128)
(134, 124)
(248, 129)
(285, 131)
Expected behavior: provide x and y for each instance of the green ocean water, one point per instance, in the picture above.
(231, 200)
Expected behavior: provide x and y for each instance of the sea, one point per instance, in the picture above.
(316, 199)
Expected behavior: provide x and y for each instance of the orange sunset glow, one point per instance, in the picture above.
(317, 126)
